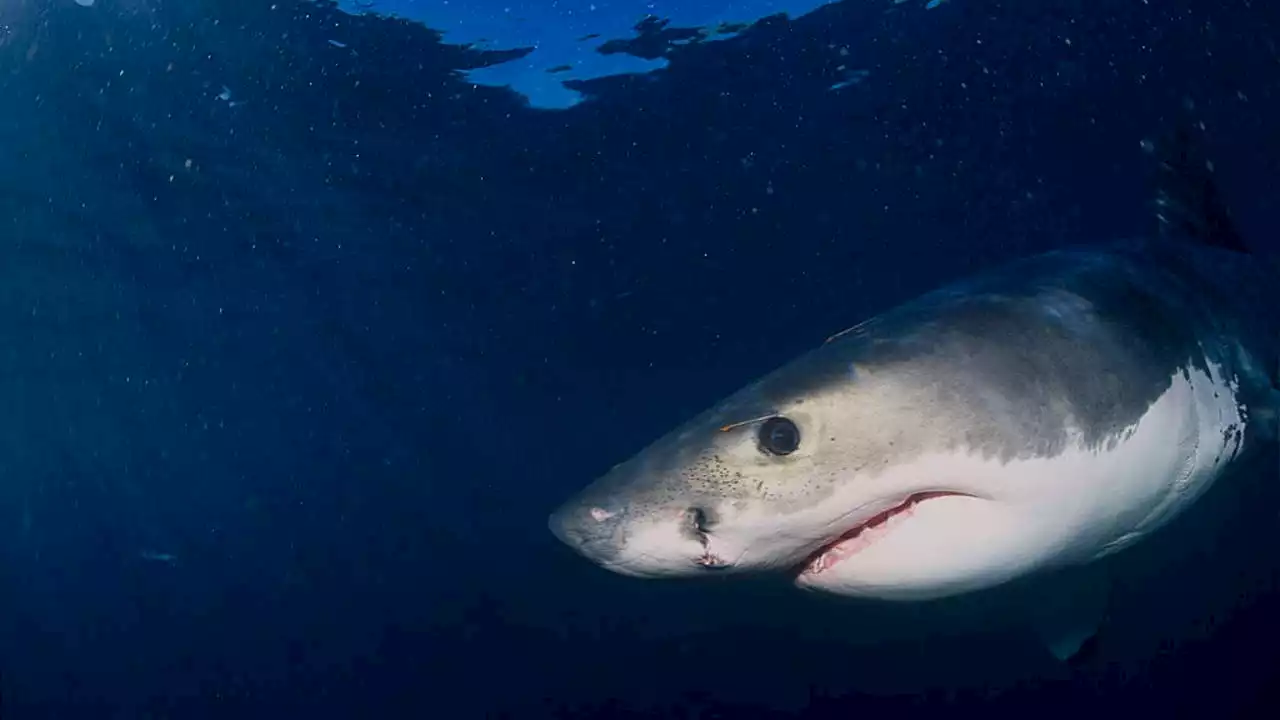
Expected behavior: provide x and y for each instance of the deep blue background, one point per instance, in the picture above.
(336, 344)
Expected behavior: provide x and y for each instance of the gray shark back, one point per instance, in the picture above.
(1091, 338)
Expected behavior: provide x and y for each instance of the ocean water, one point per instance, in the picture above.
(311, 316)
(569, 40)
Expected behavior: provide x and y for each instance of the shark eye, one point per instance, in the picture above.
(779, 436)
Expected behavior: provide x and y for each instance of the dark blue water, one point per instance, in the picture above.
(302, 341)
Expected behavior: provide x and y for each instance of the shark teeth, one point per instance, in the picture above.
(866, 533)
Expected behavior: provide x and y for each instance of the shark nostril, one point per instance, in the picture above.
(699, 523)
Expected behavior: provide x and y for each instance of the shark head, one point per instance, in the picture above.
(786, 475)
(950, 446)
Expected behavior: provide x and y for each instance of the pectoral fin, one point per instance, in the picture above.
(1069, 611)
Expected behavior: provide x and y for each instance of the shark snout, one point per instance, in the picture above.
(637, 540)
(591, 531)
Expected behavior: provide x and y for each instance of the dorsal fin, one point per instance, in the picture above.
(1189, 207)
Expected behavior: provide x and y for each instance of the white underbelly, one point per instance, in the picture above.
(1038, 513)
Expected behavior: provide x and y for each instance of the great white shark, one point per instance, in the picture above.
(1021, 424)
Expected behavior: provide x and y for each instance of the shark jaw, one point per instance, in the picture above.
(865, 534)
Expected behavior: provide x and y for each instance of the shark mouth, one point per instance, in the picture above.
(867, 533)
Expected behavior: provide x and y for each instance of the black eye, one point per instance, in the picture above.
(779, 436)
